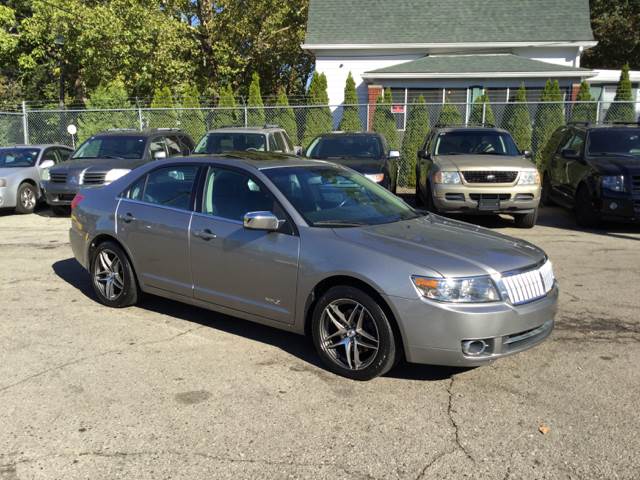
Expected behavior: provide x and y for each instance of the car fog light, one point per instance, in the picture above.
(613, 205)
(474, 348)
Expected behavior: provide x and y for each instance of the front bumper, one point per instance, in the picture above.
(8, 197)
(620, 207)
(465, 198)
(434, 333)
(59, 194)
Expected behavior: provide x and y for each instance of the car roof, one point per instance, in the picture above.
(470, 128)
(137, 133)
(265, 129)
(350, 134)
(36, 145)
(258, 160)
(603, 126)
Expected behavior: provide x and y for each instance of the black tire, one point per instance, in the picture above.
(61, 211)
(375, 323)
(429, 203)
(585, 211)
(546, 199)
(27, 198)
(419, 201)
(126, 294)
(526, 220)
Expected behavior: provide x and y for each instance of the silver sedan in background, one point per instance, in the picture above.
(315, 248)
(21, 169)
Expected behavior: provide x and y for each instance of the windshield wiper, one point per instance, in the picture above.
(337, 223)
(112, 156)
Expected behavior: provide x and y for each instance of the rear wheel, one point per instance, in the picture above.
(429, 203)
(353, 335)
(526, 220)
(27, 198)
(112, 276)
(586, 214)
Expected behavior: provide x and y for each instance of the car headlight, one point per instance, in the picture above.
(115, 174)
(375, 177)
(448, 178)
(615, 183)
(529, 177)
(3, 182)
(45, 175)
(457, 290)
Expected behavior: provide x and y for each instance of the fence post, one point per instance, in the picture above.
(598, 111)
(484, 113)
(25, 124)
(140, 119)
(246, 116)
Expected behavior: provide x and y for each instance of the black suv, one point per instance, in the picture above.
(594, 169)
(366, 153)
(108, 156)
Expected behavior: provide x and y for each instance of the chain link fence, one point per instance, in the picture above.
(530, 123)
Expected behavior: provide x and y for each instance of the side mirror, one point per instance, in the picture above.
(298, 150)
(160, 155)
(394, 154)
(424, 154)
(47, 164)
(570, 154)
(266, 221)
(527, 154)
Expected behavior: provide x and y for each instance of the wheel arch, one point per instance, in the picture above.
(31, 182)
(106, 237)
(346, 280)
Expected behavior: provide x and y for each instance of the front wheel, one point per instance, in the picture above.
(352, 334)
(112, 276)
(586, 214)
(526, 220)
(546, 191)
(27, 198)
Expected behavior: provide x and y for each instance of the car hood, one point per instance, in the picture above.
(616, 165)
(450, 247)
(101, 164)
(361, 165)
(482, 162)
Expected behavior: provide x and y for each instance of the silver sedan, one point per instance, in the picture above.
(21, 169)
(315, 248)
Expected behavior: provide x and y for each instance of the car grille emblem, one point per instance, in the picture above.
(491, 177)
(74, 180)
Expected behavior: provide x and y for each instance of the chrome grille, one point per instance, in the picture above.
(531, 285)
(58, 177)
(487, 176)
(93, 178)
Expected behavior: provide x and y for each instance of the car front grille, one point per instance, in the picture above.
(489, 196)
(93, 178)
(530, 285)
(489, 176)
(58, 177)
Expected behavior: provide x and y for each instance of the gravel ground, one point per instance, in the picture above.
(164, 390)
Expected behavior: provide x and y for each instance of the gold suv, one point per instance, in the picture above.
(477, 170)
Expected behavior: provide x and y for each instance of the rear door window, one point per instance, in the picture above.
(171, 186)
(173, 146)
(156, 145)
(281, 145)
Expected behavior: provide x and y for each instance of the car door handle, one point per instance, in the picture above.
(128, 218)
(205, 234)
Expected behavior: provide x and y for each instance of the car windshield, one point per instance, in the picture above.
(221, 142)
(112, 146)
(331, 197)
(623, 141)
(346, 146)
(475, 143)
(18, 157)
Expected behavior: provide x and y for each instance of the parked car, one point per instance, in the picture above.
(108, 156)
(594, 170)
(313, 247)
(243, 139)
(21, 169)
(477, 170)
(367, 153)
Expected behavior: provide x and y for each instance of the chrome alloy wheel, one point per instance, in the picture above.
(28, 199)
(348, 334)
(108, 274)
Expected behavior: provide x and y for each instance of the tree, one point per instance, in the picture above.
(615, 27)
(350, 121)
(284, 115)
(625, 110)
(112, 95)
(227, 115)
(191, 117)
(482, 104)
(384, 121)
(517, 120)
(449, 115)
(256, 115)
(549, 117)
(584, 112)
(318, 118)
(418, 126)
(162, 113)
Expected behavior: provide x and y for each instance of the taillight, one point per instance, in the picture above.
(76, 200)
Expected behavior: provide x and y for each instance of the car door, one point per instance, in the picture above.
(245, 270)
(576, 168)
(153, 223)
(557, 163)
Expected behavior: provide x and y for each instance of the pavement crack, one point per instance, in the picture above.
(435, 459)
(454, 424)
